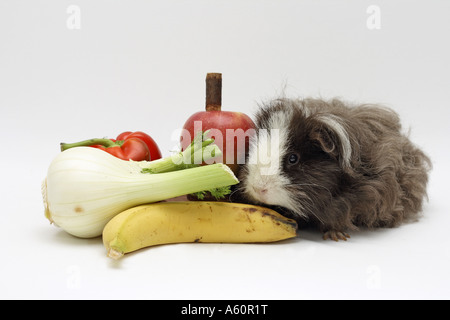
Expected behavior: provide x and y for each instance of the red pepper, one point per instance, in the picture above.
(155, 153)
(128, 147)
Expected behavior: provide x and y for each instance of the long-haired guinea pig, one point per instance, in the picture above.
(334, 166)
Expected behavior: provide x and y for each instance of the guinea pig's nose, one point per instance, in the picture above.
(261, 191)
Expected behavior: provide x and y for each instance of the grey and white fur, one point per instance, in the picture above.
(334, 166)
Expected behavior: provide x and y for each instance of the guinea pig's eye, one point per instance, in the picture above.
(293, 158)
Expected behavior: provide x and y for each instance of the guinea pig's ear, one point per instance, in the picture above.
(331, 135)
(325, 140)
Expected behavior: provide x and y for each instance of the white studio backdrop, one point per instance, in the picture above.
(73, 70)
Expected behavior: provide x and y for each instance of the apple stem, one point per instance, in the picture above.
(213, 91)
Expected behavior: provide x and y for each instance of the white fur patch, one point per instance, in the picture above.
(268, 147)
(265, 181)
(333, 123)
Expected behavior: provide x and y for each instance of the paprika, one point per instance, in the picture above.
(136, 146)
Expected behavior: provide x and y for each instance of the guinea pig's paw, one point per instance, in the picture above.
(335, 235)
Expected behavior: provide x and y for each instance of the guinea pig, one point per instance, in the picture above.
(333, 166)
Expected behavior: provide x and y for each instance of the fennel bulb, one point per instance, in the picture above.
(86, 187)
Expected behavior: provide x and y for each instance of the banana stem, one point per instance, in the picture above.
(115, 254)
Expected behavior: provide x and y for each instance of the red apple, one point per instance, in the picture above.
(230, 129)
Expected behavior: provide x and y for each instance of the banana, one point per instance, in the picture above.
(193, 221)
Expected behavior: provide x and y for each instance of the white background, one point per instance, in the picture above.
(141, 65)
